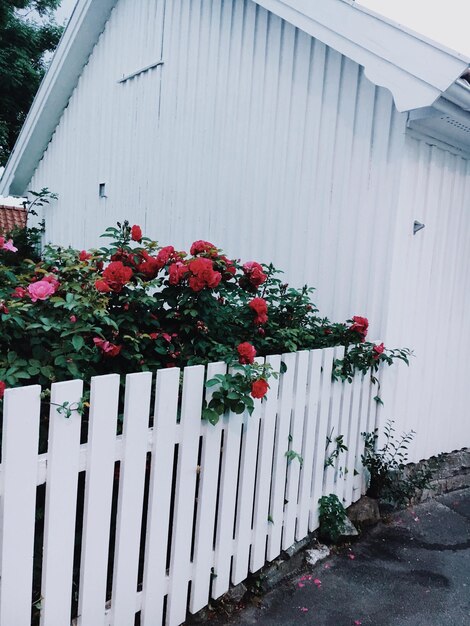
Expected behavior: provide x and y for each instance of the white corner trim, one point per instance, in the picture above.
(416, 70)
(84, 28)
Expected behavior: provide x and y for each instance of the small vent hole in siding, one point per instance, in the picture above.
(102, 190)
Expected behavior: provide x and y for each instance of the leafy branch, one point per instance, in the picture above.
(236, 391)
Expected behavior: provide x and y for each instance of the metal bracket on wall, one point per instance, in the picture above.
(417, 226)
(144, 69)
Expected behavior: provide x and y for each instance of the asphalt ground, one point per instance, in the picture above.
(413, 569)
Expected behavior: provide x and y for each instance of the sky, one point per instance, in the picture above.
(65, 10)
(446, 22)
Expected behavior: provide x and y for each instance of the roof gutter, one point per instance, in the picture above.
(459, 94)
(83, 30)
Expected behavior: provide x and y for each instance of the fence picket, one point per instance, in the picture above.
(265, 462)
(207, 499)
(180, 560)
(321, 433)
(359, 479)
(18, 502)
(353, 456)
(130, 498)
(104, 401)
(232, 424)
(61, 501)
(343, 430)
(281, 445)
(296, 433)
(247, 476)
(333, 430)
(309, 440)
(161, 482)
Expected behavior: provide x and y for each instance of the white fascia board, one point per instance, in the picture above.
(416, 70)
(84, 28)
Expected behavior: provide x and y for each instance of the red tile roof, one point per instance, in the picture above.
(11, 216)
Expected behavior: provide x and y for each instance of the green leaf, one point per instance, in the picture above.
(233, 395)
(210, 415)
(78, 342)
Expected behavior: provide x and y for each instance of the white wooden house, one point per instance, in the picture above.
(313, 134)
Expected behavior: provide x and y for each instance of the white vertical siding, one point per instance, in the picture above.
(430, 300)
(252, 135)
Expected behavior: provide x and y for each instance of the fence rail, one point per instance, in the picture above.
(131, 520)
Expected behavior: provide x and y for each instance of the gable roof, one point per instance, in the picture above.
(417, 71)
(11, 216)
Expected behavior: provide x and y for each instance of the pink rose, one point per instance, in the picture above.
(41, 290)
(109, 349)
(8, 246)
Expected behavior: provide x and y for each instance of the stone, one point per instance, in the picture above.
(235, 594)
(317, 554)
(299, 545)
(364, 512)
(349, 530)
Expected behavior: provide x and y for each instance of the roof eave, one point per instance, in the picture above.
(84, 28)
(415, 69)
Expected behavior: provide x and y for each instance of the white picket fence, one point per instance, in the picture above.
(220, 500)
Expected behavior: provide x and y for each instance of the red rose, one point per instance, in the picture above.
(259, 388)
(53, 280)
(260, 307)
(203, 274)
(165, 254)
(84, 255)
(203, 247)
(109, 349)
(117, 275)
(177, 272)
(2, 388)
(378, 350)
(229, 270)
(360, 326)
(246, 353)
(254, 273)
(136, 233)
(73, 318)
(19, 292)
(102, 285)
(150, 266)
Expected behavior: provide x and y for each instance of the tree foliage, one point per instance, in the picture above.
(27, 31)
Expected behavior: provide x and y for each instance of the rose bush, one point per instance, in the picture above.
(134, 306)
